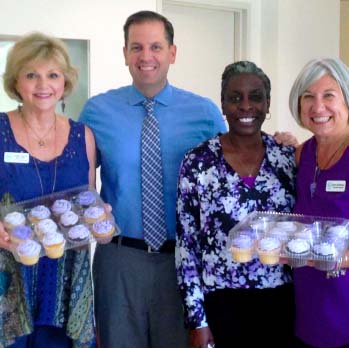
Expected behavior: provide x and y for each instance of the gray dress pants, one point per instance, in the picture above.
(137, 301)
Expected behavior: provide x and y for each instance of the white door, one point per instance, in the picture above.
(205, 45)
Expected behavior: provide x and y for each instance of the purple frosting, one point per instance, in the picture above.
(86, 198)
(102, 227)
(22, 232)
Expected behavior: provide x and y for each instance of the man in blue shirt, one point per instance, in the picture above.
(136, 296)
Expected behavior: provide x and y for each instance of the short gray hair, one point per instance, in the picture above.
(313, 71)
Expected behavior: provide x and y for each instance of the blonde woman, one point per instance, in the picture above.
(50, 304)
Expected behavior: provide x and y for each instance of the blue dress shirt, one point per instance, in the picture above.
(116, 119)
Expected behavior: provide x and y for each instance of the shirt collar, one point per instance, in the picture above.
(164, 97)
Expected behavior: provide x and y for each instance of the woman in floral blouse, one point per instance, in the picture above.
(226, 303)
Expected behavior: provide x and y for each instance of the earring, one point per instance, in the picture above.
(268, 117)
(63, 105)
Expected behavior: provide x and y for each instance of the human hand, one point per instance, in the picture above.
(5, 242)
(107, 207)
(201, 338)
(286, 139)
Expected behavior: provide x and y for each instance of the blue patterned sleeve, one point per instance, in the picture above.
(188, 254)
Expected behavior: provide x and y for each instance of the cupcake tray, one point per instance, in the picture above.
(297, 240)
(85, 208)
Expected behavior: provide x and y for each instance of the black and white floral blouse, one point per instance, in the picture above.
(212, 198)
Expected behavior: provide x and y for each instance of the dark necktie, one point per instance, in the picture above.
(152, 181)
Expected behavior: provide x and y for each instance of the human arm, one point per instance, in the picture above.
(188, 255)
(201, 338)
(91, 156)
(5, 242)
(298, 153)
(286, 139)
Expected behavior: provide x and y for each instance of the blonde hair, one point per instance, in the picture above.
(34, 47)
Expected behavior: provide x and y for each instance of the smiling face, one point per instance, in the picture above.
(245, 104)
(148, 56)
(40, 85)
(322, 108)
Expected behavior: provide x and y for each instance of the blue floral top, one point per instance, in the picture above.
(212, 198)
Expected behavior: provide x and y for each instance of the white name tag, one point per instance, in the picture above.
(16, 157)
(335, 185)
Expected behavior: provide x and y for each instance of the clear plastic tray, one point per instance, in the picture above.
(297, 240)
(85, 209)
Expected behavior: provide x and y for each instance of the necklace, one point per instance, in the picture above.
(40, 139)
(35, 162)
(317, 170)
(250, 170)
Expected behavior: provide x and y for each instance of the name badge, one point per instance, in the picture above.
(335, 185)
(16, 157)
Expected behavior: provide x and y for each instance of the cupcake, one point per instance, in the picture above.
(78, 234)
(288, 226)
(306, 234)
(279, 233)
(337, 231)
(69, 219)
(60, 206)
(40, 212)
(45, 226)
(28, 252)
(297, 251)
(94, 214)
(268, 250)
(338, 235)
(242, 248)
(86, 198)
(103, 231)
(54, 244)
(325, 254)
(21, 233)
(14, 219)
(262, 225)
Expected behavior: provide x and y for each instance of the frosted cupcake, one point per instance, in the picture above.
(262, 225)
(242, 248)
(14, 219)
(94, 214)
(69, 219)
(279, 233)
(338, 235)
(40, 212)
(86, 198)
(54, 245)
(45, 226)
(60, 206)
(103, 231)
(288, 226)
(325, 254)
(306, 234)
(20, 234)
(298, 251)
(268, 250)
(79, 234)
(29, 252)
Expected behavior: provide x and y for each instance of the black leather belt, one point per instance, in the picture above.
(167, 247)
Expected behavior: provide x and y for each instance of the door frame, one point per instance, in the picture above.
(241, 12)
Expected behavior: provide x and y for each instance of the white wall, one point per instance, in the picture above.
(99, 21)
(283, 35)
(344, 31)
(295, 31)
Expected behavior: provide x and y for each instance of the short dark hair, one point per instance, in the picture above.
(149, 16)
(244, 67)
